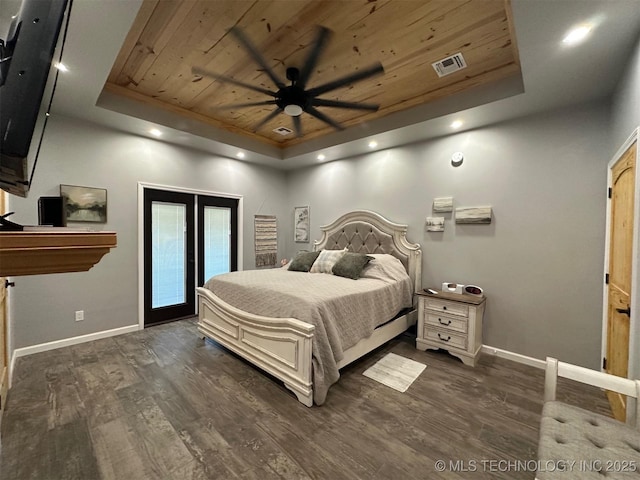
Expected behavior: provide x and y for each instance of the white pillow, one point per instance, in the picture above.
(326, 260)
(384, 267)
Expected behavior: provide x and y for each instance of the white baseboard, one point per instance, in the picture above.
(515, 357)
(11, 365)
(66, 342)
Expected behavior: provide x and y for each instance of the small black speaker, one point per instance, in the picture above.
(51, 211)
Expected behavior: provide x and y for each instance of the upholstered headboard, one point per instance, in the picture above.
(363, 231)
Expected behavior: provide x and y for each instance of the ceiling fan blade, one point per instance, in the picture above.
(256, 55)
(297, 126)
(233, 81)
(322, 38)
(249, 104)
(321, 102)
(267, 118)
(374, 69)
(321, 116)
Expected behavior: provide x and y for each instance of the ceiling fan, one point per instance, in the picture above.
(296, 99)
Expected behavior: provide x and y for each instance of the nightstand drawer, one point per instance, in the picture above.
(450, 323)
(447, 339)
(451, 308)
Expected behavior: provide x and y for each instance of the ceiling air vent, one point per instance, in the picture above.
(283, 131)
(449, 65)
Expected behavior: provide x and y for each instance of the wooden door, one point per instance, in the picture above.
(623, 177)
(4, 359)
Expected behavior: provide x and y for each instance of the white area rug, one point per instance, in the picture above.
(395, 371)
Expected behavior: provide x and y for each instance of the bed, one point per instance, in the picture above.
(291, 349)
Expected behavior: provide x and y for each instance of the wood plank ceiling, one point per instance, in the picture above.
(170, 37)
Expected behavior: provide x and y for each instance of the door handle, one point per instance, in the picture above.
(626, 311)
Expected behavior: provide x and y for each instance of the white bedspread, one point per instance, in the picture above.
(343, 311)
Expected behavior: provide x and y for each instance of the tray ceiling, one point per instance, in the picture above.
(171, 37)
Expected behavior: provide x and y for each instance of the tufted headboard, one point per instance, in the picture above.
(363, 231)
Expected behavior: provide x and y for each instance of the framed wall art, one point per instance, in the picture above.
(435, 224)
(475, 215)
(301, 224)
(443, 204)
(84, 204)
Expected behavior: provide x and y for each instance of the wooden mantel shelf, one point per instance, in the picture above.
(39, 250)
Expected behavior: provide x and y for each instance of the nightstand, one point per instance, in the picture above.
(451, 321)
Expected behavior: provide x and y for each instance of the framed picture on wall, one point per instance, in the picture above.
(435, 224)
(84, 204)
(301, 224)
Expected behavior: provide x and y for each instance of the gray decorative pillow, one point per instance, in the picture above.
(351, 265)
(302, 261)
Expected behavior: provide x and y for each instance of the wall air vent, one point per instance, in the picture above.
(449, 65)
(283, 131)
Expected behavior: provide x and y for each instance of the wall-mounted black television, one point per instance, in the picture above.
(26, 57)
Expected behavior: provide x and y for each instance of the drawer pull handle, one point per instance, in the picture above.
(445, 324)
(444, 339)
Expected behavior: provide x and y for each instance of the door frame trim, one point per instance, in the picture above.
(634, 327)
(141, 187)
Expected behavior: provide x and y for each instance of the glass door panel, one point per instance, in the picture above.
(217, 236)
(169, 254)
(217, 241)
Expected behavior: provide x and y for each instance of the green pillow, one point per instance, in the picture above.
(351, 265)
(303, 261)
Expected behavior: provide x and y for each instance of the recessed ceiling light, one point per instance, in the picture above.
(155, 132)
(373, 144)
(62, 67)
(240, 154)
(321, 157)
(576, 35)
(457, 124)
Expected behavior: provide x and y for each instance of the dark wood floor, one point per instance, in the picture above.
(163, 404)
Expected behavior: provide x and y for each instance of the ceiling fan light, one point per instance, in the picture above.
(293, 110)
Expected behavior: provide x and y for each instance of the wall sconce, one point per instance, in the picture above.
(457, 158)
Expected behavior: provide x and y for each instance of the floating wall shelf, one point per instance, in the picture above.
(40, 250)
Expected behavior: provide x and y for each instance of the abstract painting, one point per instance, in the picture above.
(443, 204)
(478, 215)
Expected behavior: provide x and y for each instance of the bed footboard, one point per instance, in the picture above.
(280, 346)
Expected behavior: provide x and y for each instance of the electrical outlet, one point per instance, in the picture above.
(79, 315)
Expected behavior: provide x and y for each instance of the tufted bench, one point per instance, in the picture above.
(578, 444)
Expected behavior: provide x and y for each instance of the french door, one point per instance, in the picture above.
(178, 250)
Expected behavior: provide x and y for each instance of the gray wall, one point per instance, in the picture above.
(626, 102)
(625, 118)
(77, 153)
(540, 261)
